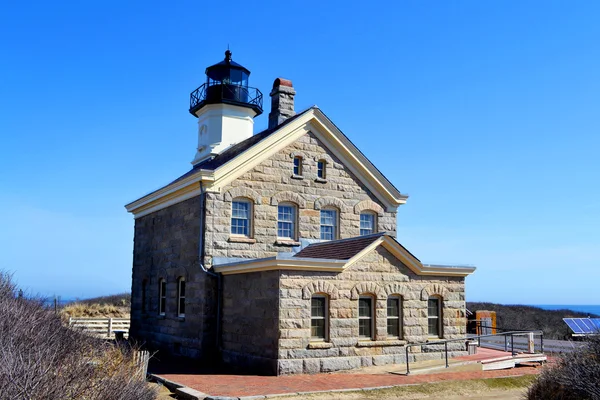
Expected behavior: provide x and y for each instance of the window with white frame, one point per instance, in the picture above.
(368, 223)
(365, 317)
(322, 169)
(319, 317)
(241, 217)
(434, 316)
(286, 221)
(329, 224)
(394, 317)
(298, 165)
(181, 297)
(162, 296)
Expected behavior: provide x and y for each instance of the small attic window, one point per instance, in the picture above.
(322, 169)
(298, 165)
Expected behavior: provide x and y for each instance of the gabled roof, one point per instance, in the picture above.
(217, 172)
(338, 255)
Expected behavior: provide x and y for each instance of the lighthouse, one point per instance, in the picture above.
(225, 106)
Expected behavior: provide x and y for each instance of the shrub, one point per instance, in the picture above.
(576, 375)
(40, 358)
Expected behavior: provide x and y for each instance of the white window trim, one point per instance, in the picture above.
(180, 297)
(439, 318)
(399, 318)
(294, 221)
(250, 218)
(375, 222)
(325, 317)
(300, 166)
(372, 318)
(336, 230)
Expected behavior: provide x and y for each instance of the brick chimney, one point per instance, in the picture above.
(282, 102)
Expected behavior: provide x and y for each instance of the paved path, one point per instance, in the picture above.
(252, 385)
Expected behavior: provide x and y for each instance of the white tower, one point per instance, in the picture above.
(225, 107)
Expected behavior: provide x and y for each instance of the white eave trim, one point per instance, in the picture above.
(274, 263)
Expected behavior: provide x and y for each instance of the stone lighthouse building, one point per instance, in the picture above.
(277, 251)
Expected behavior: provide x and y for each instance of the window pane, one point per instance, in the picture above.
(317, 307)
(433, 327)
(317, 328)
(240, 218)
(433, 308)
(286, 219)
(321, 169)
(328, 224)
(364, 307)
(182, 288)
(392, 307)
(367, 224)
(181, 306)
(364, 327)
(297, 165)
(393, 328)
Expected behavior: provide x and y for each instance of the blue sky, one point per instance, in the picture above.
(485, 113)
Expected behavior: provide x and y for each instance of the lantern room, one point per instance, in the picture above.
(227, 83)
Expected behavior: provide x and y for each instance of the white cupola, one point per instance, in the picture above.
(225, 107)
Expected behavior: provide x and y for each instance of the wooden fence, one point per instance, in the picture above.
(101, 327)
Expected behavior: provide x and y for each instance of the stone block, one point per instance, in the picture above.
(339, 364)
(287, 367)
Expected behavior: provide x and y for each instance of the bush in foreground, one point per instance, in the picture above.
(40, 358)
(576, 375)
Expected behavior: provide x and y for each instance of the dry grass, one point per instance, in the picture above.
(95, 310)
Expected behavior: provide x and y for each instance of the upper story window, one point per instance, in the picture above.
(241, 212)
(367, 223)
(298, 165)
(394, 317)
(181, 297)
(162, 296)
(319, 317)
(434, 316)
(365, 317)
(329, 224)
(322, 169)
(286, 221)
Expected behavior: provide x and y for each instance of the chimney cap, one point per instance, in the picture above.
(282, 82)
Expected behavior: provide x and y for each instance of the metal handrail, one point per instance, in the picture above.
(255, 96)
(445, 343)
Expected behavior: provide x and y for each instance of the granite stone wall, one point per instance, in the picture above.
(250, 321)
(380, 275)
(272, 182)
(166, 245)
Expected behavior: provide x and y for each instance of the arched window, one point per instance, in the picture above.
(366, 317)
(368, 223)
(319, 317)
(162, 296)
(286, 221)
(181, 297)
(434, 316)
(241, 217)
(394, 317)
(329, 224)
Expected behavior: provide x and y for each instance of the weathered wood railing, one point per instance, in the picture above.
(102, 327)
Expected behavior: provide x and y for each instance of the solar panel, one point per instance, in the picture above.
(583, 326)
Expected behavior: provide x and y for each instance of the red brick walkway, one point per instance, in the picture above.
(249, 385)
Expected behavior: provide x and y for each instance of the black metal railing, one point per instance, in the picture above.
(218, 92)
(508, 343)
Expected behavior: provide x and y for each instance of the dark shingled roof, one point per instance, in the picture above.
(343, 249)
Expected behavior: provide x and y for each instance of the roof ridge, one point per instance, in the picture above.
(349, 239)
